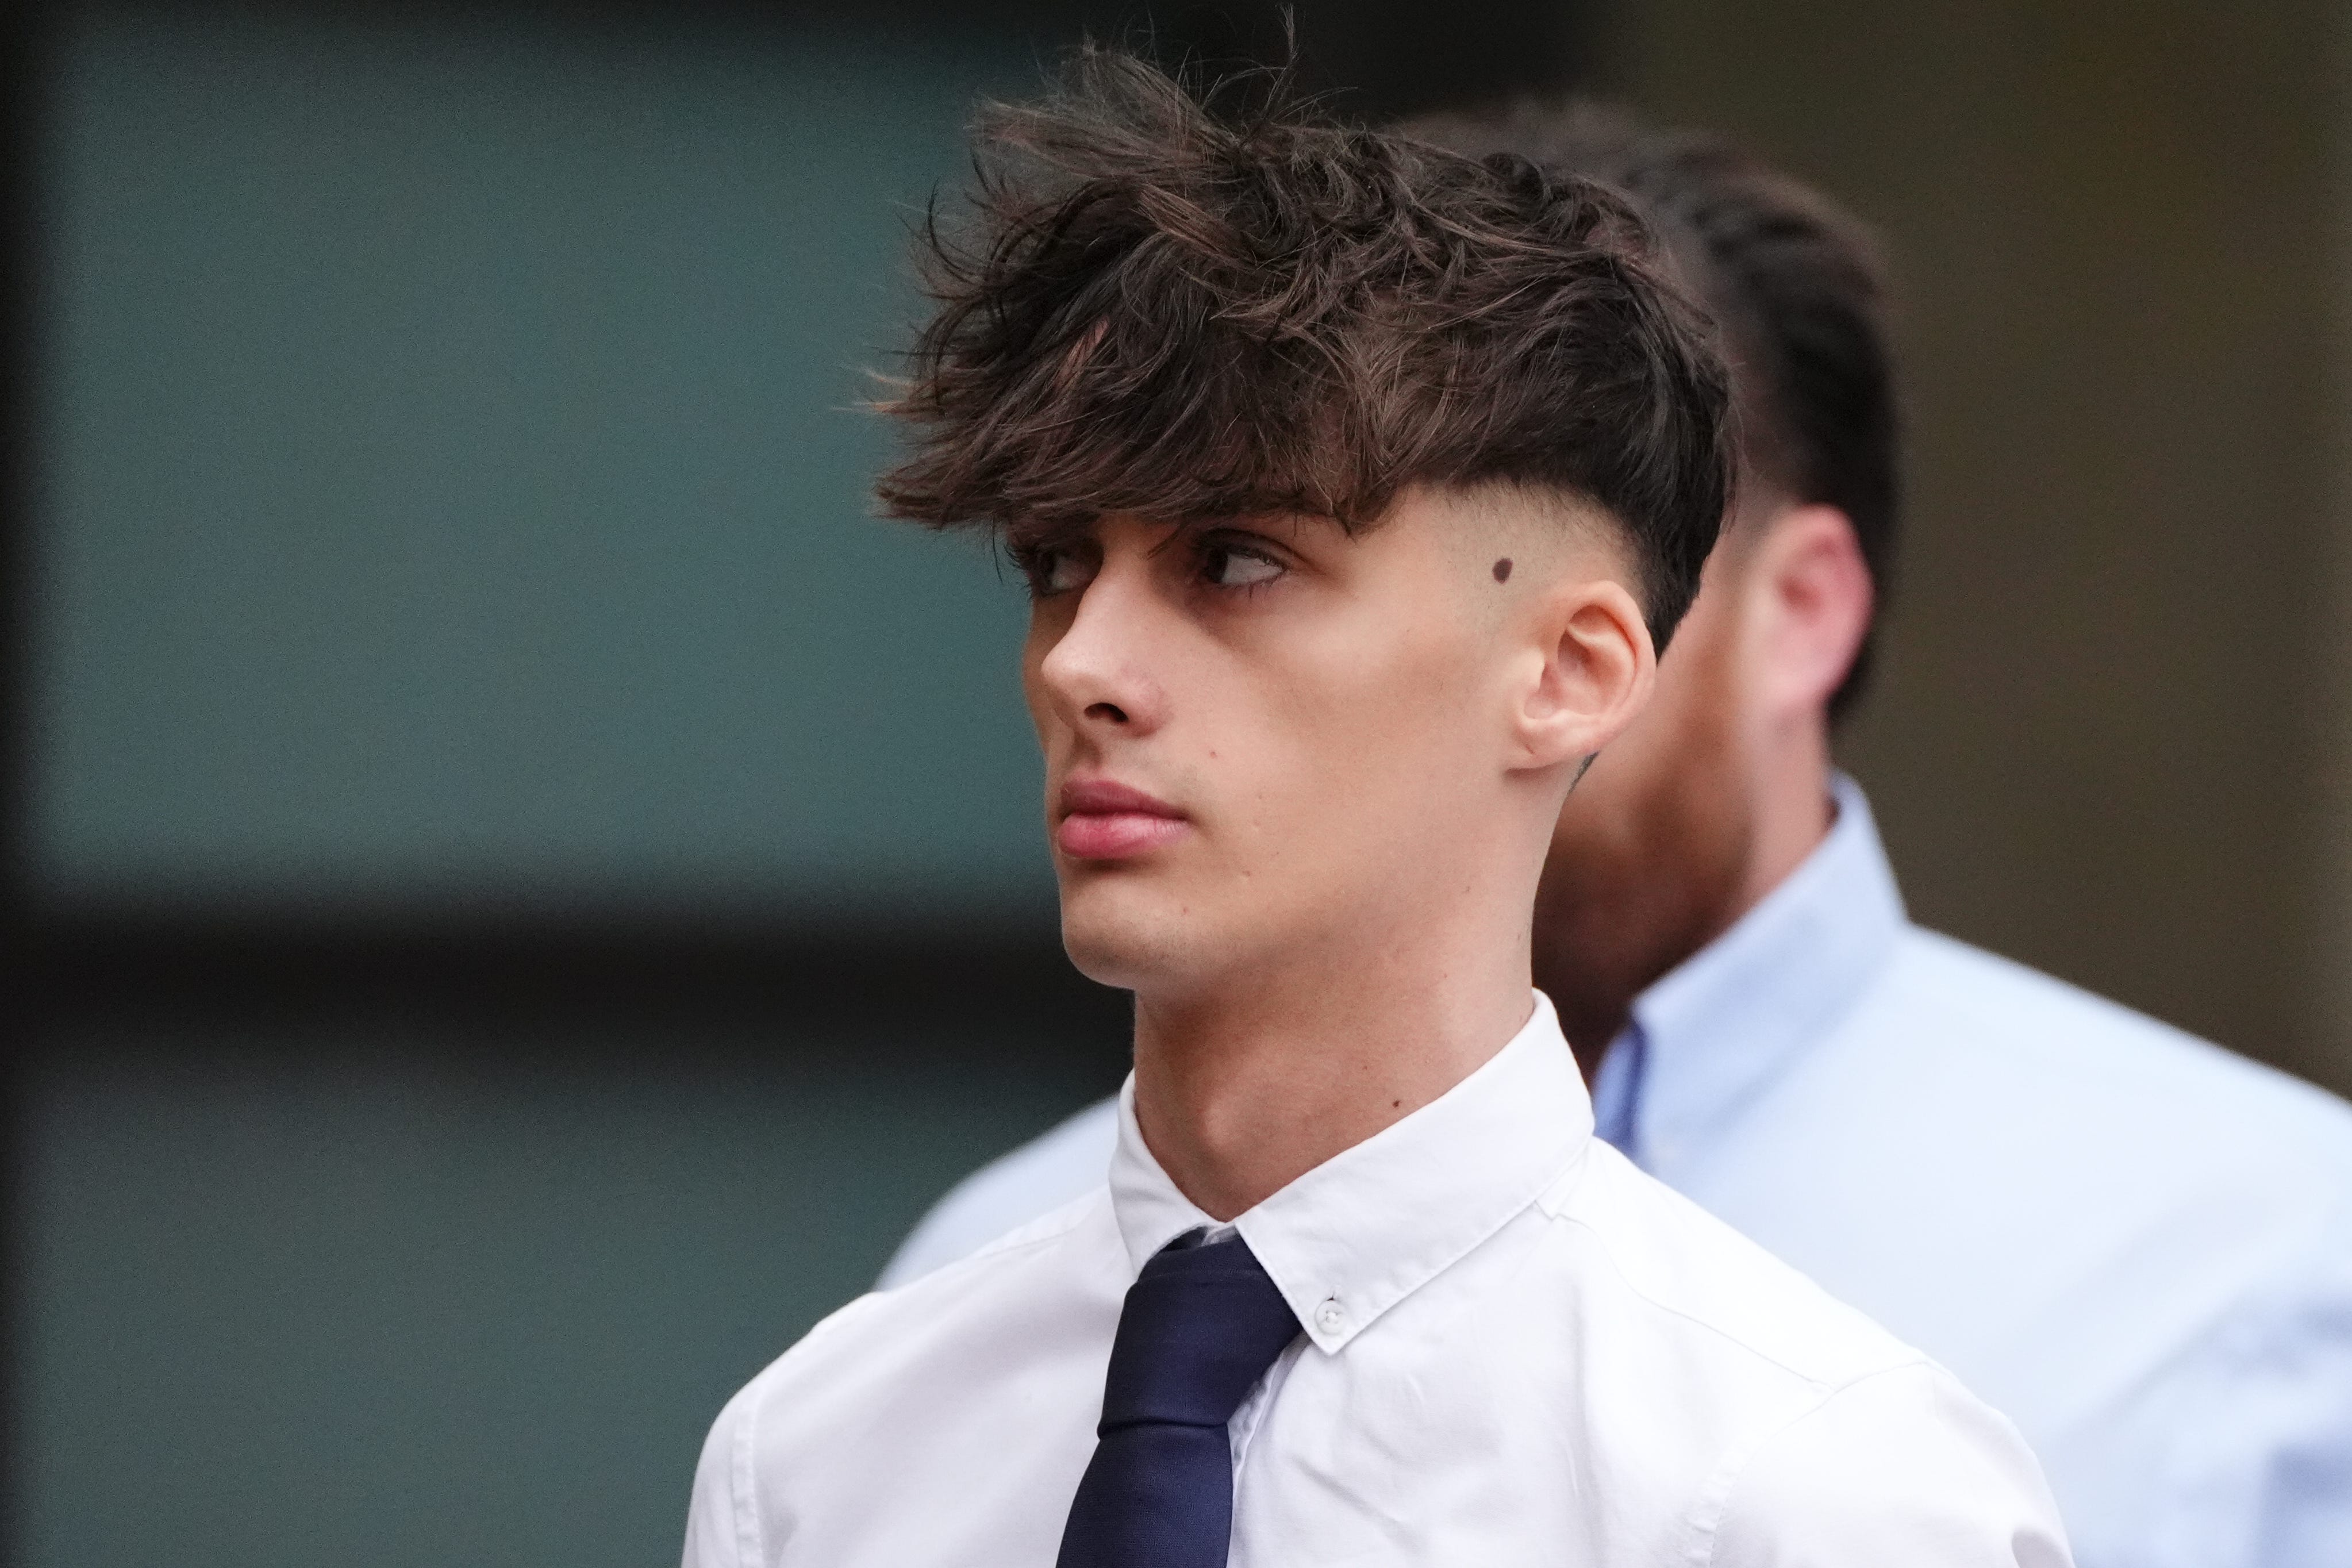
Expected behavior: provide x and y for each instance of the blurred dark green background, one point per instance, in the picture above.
(456, 472)
(525, 891)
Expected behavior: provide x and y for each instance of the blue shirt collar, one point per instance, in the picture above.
(1707, 1038)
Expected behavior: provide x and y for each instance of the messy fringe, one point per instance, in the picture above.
(1167, 306)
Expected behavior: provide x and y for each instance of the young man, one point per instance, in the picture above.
(2135, 1244)
(1355, 482)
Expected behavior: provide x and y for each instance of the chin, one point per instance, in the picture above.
(1123, 932)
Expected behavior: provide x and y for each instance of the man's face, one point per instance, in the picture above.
(1261, 741)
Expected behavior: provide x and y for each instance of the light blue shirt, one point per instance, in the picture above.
(2135, 1245)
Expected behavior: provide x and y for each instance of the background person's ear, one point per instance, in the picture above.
(1593, 666)
(1810, 598)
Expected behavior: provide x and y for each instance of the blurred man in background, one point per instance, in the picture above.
(2138, 1245)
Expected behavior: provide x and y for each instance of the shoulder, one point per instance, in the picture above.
(2115, 1095)
(1903, 1466)
(877, 1364)
(1835, 1442)
(1042, 1268)
(1848, 1447)
(1056, 1168)
(2063, 1035)
(1701, 1281)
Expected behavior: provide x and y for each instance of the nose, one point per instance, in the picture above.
(1098, 673)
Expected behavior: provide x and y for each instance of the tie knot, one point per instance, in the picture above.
(1201, 1325)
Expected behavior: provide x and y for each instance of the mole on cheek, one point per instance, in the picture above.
(1503, 570)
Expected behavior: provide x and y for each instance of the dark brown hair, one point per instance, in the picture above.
(1166, 309)
(1797, 285)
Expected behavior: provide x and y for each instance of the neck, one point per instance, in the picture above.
(1242, 1088)
(1793, 813)
(1612, 926)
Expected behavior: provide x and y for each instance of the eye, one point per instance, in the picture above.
(1054, 569)
(1232, 564)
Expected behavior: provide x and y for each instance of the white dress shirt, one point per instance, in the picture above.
(2135, 1245)
(1517, 1349)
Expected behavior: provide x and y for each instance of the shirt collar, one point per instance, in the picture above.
(1726, 1021)
(1371, 1225)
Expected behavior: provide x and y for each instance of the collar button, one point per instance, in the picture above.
(1331, 1317)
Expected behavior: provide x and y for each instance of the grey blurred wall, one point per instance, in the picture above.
(2110, 735)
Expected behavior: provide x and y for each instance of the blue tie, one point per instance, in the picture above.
(1201, 1325)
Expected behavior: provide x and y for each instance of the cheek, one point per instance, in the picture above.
(1275, 746)
(1375, 723)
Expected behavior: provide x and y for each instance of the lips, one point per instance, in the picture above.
(1101, 820)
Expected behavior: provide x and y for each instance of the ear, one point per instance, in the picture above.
(1809, 600)
(1590, 669)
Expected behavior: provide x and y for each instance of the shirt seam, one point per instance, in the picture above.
(1707, 1515)
(742, 1486)
(1715, 1497)
(1811, 1380)
(1022, 1239)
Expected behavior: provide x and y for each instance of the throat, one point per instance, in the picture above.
(1238, 1104)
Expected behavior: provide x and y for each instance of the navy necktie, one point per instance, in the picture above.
(1200, 1326)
